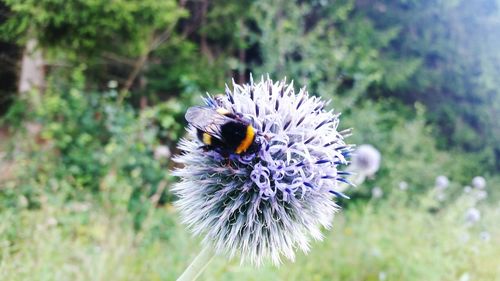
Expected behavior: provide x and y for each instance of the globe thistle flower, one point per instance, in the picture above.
(269, 203)
(161, 152)
(382, 276)
(366, 160)
(112, 84)
(480, 195)
(442, 182)
(464, 237)
(479, 182)
(377, 192)
(464, 277)
(441, 196)
(485, 236)
(467, 189)
(403, 185)
(472, 216)
(376, 252)
(51, 221)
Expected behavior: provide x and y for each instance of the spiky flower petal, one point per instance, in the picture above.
(267, 204)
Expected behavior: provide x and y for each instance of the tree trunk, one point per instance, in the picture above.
(32, 69)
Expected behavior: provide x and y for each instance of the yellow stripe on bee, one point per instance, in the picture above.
(247, 141)
(222, 111)
(207, 139)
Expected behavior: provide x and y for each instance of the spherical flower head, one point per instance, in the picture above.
(472, 216)
(377, 192)
(440, 196)
(403, 185)
(442, 182)
(366, 160)
(271, 202)
(465, 277)
(485, 236)
(479, 182)
(467, 189)
(480, 195)
(161, 152)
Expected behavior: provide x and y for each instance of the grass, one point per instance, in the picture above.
(380, 240)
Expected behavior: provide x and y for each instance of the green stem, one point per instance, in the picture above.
(198, 265)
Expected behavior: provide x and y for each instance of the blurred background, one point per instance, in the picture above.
(92, 102)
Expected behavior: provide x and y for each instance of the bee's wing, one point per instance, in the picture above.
(207, 120)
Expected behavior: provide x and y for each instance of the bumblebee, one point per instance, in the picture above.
(223, 131)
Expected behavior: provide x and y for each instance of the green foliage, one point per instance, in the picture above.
(324, 45)
(88, 26)
(456, 45)
(409, 150)
(438, 53)
(179, 73)
(83, 192)
(89, 143)
(398, 238)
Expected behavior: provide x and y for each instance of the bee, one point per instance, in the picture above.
(223, 131)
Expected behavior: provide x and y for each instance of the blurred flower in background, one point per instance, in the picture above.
(479, 182)
(464, 277)
(485, 236)
(51, 221)
(112, 84)
(79, 207)
(33, 128)
(366, 160)
(23, 201)
(161, 152)
(377, 192)
(440, 196)
(472, 216)
(403, 185)
(480, 195)
(442, 182)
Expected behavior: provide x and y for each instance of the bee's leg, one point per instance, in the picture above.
(226, 154)
(228, 165)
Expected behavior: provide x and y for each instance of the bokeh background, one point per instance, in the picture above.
(92, 99)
